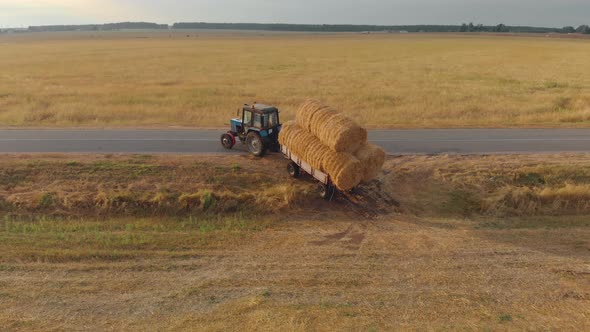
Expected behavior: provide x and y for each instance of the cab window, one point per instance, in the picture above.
(247, 118)
(257, 121)
(272, 120)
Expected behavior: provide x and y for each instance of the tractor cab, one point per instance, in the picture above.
(258, 126)
(255, 117)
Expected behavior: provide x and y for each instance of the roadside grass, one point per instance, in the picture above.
(494, 186)
(383, 80)
(140, 186)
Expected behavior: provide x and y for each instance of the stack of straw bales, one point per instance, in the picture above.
(334, 144)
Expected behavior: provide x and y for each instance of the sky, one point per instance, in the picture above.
(546, 13)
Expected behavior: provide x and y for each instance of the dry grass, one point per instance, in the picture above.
(441, 265)
(380, 80)
(143, 185)
(491, 186)
(70, 186)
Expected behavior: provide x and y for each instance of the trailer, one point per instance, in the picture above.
(298, 167)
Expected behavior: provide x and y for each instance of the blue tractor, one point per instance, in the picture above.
(257, 126)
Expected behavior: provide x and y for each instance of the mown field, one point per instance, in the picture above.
(198, 79)
(227, 244)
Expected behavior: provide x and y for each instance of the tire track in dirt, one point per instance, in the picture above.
(352, 238)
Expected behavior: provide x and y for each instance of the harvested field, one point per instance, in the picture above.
(309, 273)
(458, 254)
(386, 80)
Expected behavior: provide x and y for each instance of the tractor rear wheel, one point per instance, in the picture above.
(294, 170)
(227, 141)
(327, 191)
(255, 144)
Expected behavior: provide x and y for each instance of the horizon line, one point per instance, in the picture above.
(295, 24)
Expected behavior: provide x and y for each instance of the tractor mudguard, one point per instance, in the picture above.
(233, 137)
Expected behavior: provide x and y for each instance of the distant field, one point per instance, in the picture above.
(385, 80)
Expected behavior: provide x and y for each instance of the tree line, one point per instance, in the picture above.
(583, 29)
(465, 27)
(378, 28)
(99, 27)
(315, 27)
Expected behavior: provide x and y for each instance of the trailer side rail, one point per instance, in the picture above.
(317, 174)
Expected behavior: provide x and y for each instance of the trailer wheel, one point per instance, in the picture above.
(327, 191)
(255, 144)
(294, 170)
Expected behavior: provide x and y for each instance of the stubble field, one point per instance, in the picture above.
(132, 243)
(199, 79)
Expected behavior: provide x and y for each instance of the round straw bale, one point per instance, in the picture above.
(372, 158)
(306, 112)
(332, 128)
(302, 143)
(344, 169)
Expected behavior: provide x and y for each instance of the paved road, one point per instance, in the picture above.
(439, 141)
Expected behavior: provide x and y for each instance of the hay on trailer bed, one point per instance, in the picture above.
(372, 158)
(332, 128)
(344, 169)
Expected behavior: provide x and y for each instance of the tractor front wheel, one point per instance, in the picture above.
(227, 141)
(255, 144)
